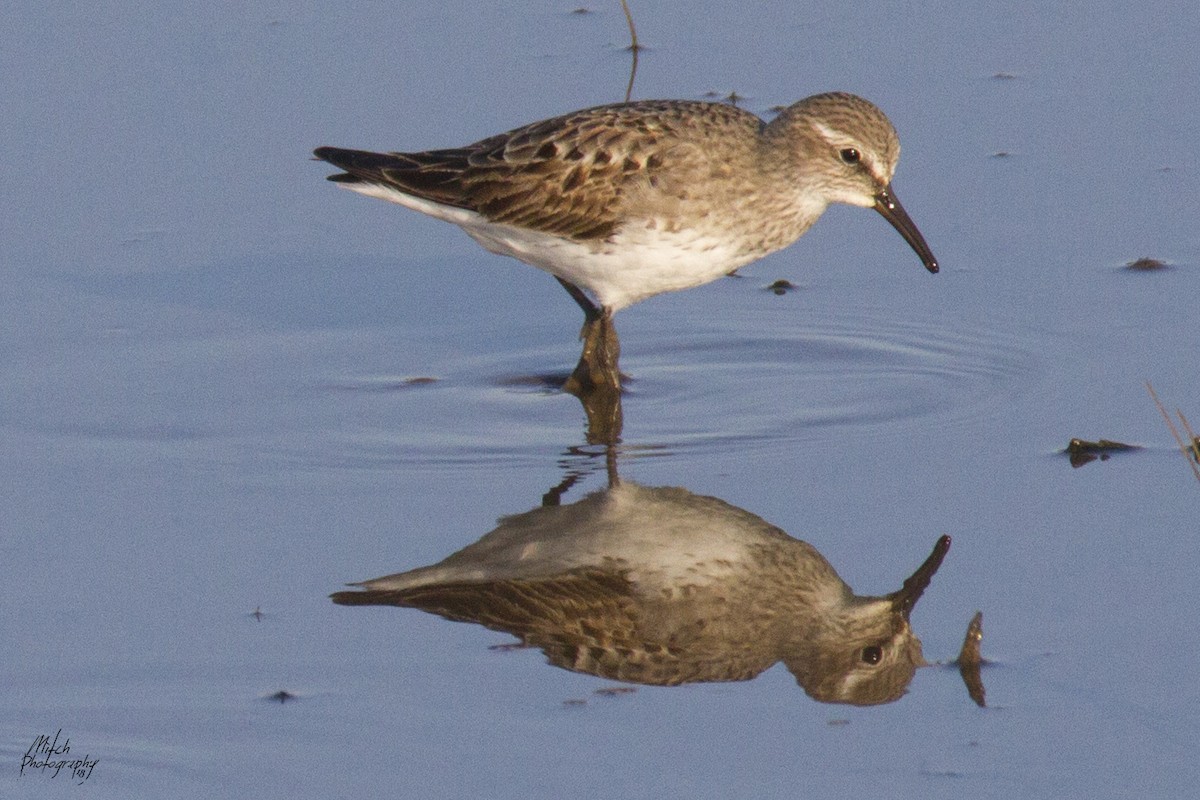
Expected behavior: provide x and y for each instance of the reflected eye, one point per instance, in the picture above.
(849, 155)
(872, 654)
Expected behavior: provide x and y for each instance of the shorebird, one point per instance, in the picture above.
(663, 586)
(622, 202)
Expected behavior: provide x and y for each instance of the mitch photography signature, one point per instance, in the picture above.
(48, 756)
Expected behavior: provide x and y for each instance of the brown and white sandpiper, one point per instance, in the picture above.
(623, 202)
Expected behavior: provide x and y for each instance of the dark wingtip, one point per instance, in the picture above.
(343, 158)
(351, 597)
(339, 158)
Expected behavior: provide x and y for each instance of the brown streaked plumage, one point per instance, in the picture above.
(626, 201)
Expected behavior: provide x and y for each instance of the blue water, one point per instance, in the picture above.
(214, 401)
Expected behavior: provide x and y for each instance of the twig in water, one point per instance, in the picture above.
(1189, 448)
(634, 47)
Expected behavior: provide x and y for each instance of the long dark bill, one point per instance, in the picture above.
(889, 206)
(904, 600)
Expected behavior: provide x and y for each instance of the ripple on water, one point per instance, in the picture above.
(725, 382)
(825, 375)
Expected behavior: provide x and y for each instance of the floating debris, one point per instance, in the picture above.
(1003, 76)
(970, 653)
(282, 696)
(581, 10)
(574, 702)
(257, 613)
(384, 384)
(970, 660)
(614, 691)
(1001, 154)
(782, 286)
(837, 723)
(1145, 264)
(733, 98)
(1081, 451)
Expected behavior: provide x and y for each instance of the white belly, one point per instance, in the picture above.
(623, 271)
(634, 265)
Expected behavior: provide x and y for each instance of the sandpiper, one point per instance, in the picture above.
(622, 202)
(663, 586)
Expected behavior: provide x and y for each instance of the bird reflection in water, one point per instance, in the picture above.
(663, 586)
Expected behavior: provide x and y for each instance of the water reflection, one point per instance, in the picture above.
(663, 586)
(602, 405)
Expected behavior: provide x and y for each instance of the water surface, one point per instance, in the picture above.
(228, 387)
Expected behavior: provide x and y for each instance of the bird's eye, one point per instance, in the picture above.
(849, 155)
(872, 654)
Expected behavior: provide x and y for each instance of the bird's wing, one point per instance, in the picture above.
(565, 176)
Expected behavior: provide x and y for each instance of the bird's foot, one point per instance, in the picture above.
(598, 367)
(596, 380)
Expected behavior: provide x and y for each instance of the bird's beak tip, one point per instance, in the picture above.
(915, 586)
(887, 204)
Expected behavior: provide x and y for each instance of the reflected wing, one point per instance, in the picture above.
(587, 620)
(575, 603)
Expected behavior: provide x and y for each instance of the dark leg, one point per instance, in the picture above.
(597, 368)
(591, 311)
(596, 380)
(597, 365)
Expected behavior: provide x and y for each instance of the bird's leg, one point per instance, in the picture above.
(597, 369)
(596, 380)
(591, 311)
